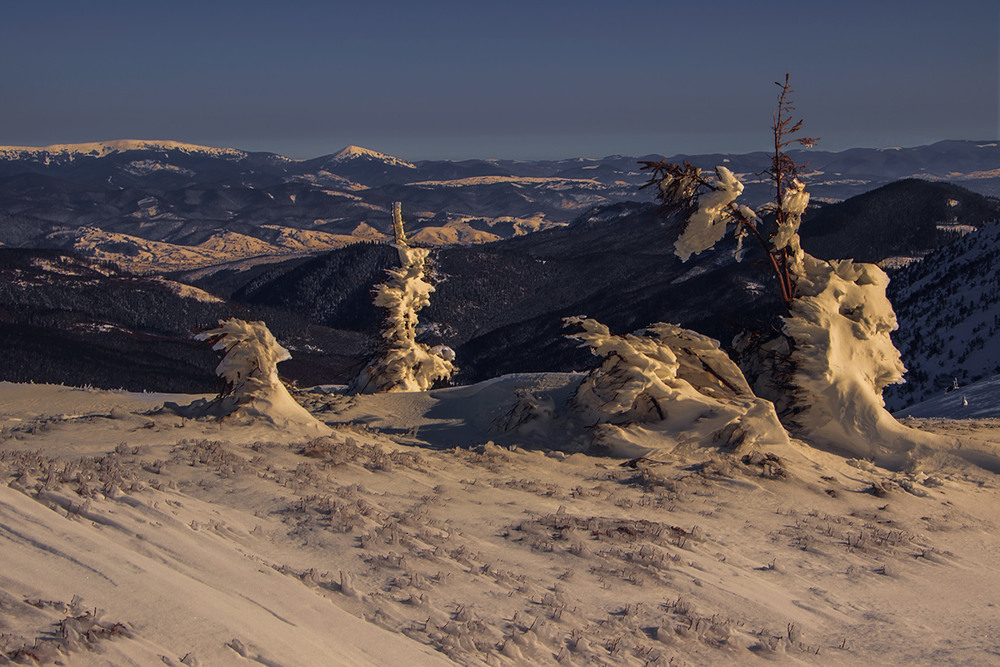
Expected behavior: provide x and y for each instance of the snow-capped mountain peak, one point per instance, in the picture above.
(353, 152)
(104, 148)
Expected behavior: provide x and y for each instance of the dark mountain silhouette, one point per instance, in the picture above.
(907, 218)
(66, 319)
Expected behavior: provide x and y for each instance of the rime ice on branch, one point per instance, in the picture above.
(402, 363)
(250, 370)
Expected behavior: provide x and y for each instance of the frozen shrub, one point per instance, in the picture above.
(250, 370)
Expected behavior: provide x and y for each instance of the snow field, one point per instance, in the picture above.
(221, 541)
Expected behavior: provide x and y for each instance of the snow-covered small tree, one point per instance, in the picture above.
(827, 371)
(665, 387)
(401, 362)
(249, 368)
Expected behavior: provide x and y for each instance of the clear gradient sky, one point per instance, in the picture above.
(539, 79)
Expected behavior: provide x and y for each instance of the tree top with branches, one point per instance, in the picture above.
(707, 203)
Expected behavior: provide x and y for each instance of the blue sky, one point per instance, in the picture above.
(541, 79)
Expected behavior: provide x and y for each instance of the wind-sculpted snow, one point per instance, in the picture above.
(794, 204)
(665, 387)
(707, 225)
(827, 368)
(843, 358)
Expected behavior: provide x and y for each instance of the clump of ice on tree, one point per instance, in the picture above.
(707, 225)
(664, 387)
(794, 202)
(402, 363)
(250, 370)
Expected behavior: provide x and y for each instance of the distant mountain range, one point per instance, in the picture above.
(262, 234)
(69, 319)
(163, 205)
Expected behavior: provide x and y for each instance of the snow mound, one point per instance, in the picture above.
(666, 387)
(250, 369)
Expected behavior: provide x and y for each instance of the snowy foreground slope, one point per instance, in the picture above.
(418, 533)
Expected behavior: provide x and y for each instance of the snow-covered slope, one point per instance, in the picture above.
(453, 233)
(233, 244)
(948, 307)
(104, 568)
(979, 400)
(418, 534)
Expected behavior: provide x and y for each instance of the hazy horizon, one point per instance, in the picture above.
(489, 157)
(448, 80)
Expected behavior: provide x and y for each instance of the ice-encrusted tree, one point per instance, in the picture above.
(827, 370)
(401, 363)
(249, 368)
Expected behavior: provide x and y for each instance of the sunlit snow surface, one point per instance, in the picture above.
(417, 534)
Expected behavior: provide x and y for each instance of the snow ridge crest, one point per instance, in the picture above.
(353, 152)
(104, 148)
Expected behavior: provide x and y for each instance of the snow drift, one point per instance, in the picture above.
(843, 358)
